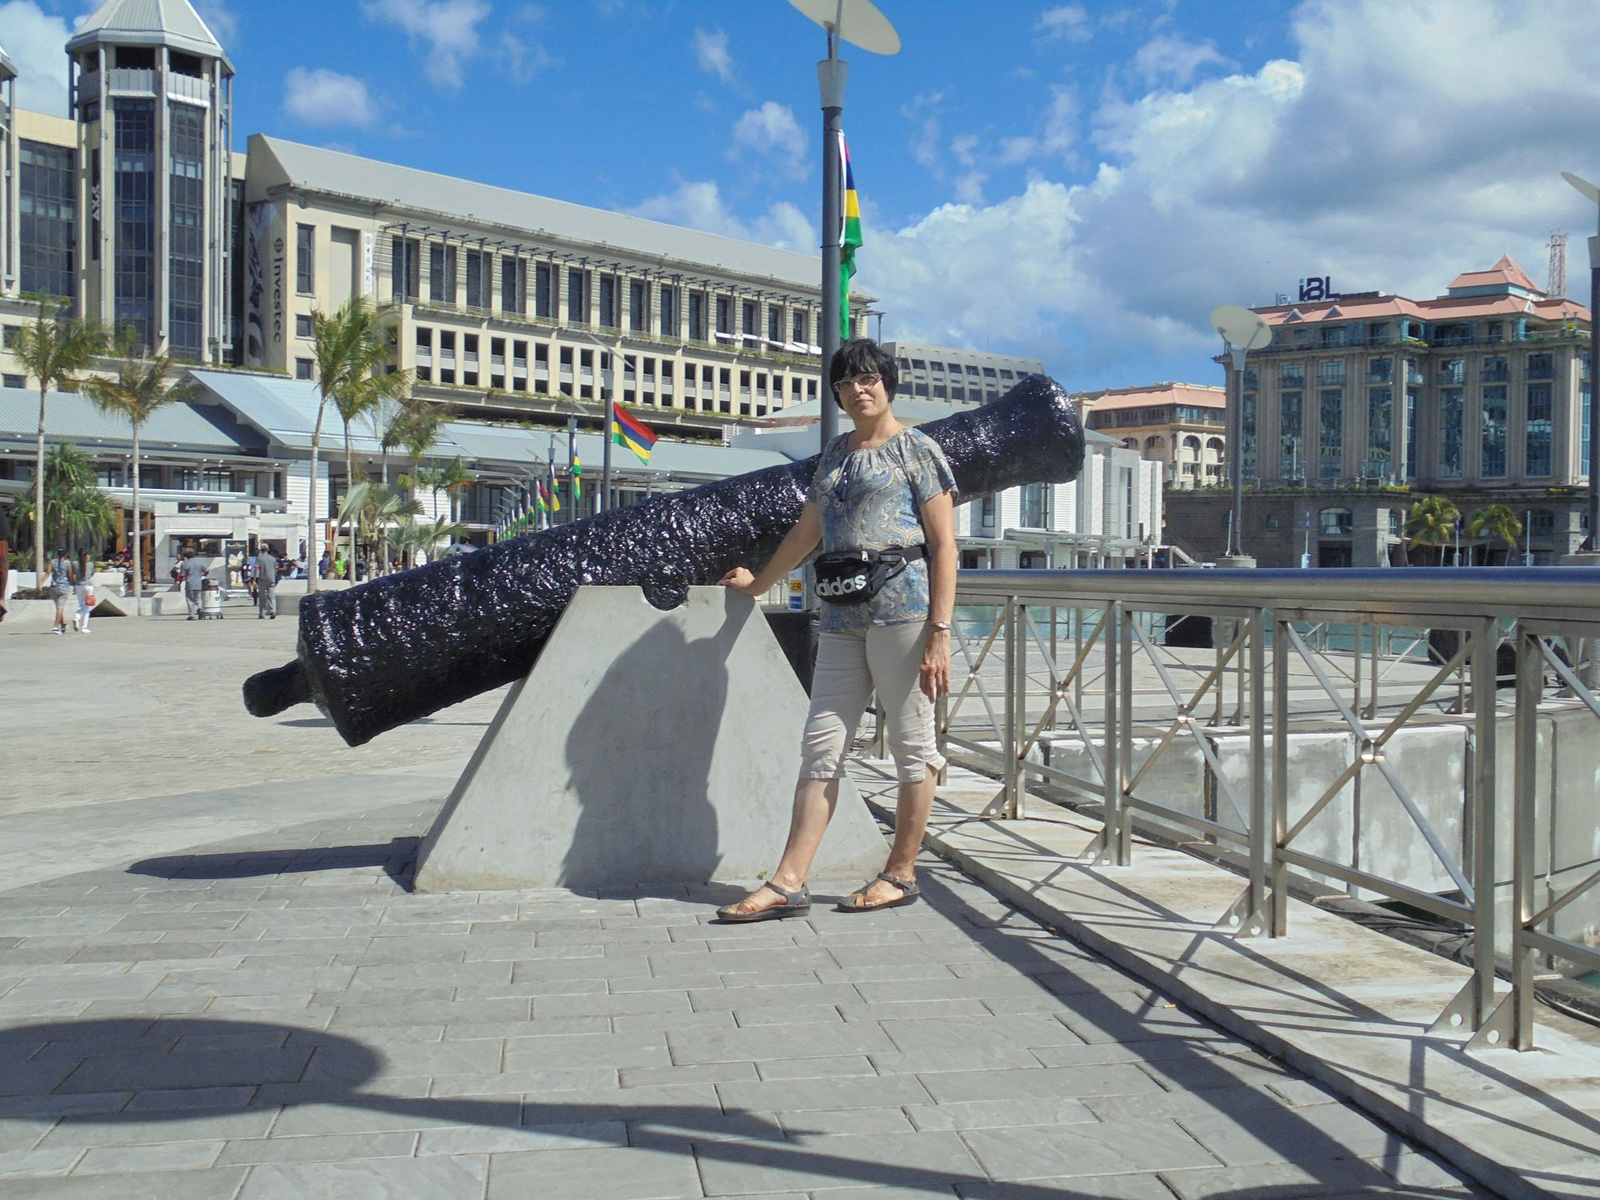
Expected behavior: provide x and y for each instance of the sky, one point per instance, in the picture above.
(1080, 182)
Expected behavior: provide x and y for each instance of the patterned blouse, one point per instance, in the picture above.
(871, 500)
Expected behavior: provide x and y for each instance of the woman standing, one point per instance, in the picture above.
(882, 487)
(63, 582)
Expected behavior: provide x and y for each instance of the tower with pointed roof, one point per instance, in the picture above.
(10, 251)
(152, 98)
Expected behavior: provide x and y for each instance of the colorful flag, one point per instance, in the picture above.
(627, 430)
(849, 236)
(577, 477)
(552, 492)
(539, 500)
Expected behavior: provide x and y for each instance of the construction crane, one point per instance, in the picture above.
(1558, 266)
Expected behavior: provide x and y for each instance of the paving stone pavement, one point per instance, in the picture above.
(274, 1015)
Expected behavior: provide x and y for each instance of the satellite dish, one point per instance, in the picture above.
(1240, 327)
(1589, 190)
(855, 21)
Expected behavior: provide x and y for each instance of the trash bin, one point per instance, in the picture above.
(210, 600)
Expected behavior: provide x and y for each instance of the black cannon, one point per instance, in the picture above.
(398, 648)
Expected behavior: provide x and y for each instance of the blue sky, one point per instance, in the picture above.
(1081, 182)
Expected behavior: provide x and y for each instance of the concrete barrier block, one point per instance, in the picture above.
(644, 747)
(1316, 759)
(1431, 764)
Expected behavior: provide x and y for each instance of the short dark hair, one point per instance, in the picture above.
(863, 356)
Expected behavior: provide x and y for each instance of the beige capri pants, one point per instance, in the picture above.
(849, 666)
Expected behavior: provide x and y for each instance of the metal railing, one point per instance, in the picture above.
(1048, 660)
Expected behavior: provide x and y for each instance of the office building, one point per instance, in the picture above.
(1364, 402)
(947, 375)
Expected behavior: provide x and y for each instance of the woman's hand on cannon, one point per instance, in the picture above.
(740, 580)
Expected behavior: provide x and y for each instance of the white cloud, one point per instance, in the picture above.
(1360, 157)
(924, 111)
(448, 27)
(1172, 60)
(772, 132)
(221, 20)
(522, 59)
(1065, 22)
(711, 51)
(35, 39)
(699, 205)
(324, 98)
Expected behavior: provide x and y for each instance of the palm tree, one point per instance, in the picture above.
(347, 348)
(413, 535)
(375, 507)
(454, 480)
(140, 388)
(363, 396)
(74, 505)
(52, 350)
(1431, 522)
(416, 427)
(1497, 521)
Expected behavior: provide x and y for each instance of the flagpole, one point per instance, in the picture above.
(603, 500)
(832, 72)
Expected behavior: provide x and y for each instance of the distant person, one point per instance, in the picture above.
(6, 538)
(194, 582)
(324, 565)
(85, 590)
(266, 580)
(63, 581)
(249, 574)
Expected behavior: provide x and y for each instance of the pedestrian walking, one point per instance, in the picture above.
(6, 538)
(86, 598)
(63, 581)
(194, 582)
(266, 579)
(249, 574)
(881, 503)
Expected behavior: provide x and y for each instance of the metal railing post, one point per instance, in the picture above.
(1019, 726)
(1262, 835)
(1112, 725)
(1483, 781)
(1280, 778)
(1524, 798)
(1124, 827)
(1010, 740)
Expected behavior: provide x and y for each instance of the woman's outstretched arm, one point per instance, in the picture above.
(791, 552)
(938, 524)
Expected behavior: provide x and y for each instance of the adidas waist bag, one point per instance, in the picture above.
(856, 576)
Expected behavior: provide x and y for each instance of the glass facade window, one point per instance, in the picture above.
(1452, 431)
(1330, 433)
(478, 268)
(697, 316)
(1583, 454)
(45, 208)
(774, 324)
(577, 296)
(543, 293)
(638, 306)
(1541, 366)
(133, 269)
(1331, 374)
(442, 273)
(305, 264)
(1380, 370)
(1291, 435)
(724, 314)
(1380, 431)
(1453, 370)
(1494, 431)
(747, 317)
(609, 316)
(802, 326)
(405, 268)
(1247, 433)
(1412, 396)
(1495, 369)
(1036, 506)
(1536, 452)
(1292, 375)
(513, 284)
(187, 231)
(669, 310)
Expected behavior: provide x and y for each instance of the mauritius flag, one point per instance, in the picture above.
(849, 237)
(627, 430)
(551, 491)
(577, 477)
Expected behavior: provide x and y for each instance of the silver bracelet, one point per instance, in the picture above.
(940, 626)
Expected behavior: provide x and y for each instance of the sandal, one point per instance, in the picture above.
(795, 903)
(909, 891)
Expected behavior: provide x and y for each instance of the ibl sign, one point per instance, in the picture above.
(1318, 287)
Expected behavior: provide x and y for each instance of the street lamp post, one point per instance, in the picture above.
(1242, 331)
(1592, 194)
(861, 24)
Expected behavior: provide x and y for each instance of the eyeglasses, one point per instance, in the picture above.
(868, 380)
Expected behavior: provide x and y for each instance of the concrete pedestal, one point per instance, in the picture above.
(1236, 562)
(644, 747)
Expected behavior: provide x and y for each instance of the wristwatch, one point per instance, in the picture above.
(940, 626)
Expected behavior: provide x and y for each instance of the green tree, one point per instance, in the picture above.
(144, 384)
(412, 535)
(1431, 522)
(52, 350)
(376, 507)
(347, 348)
(415, 428)
(74, 506)
(1496, 521)
(360, 396)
